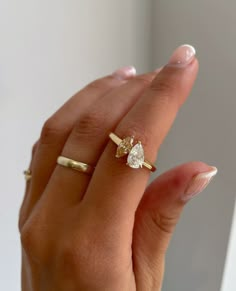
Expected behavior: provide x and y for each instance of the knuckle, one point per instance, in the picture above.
(51, 130)
(90, 123)
(163, 85)
(166, 92)
(139, 131)
(164, 223)
(32, 237)
(48, 131)
(29, 238)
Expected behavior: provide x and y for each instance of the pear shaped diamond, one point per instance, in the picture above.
(136, 156)
(124, 147)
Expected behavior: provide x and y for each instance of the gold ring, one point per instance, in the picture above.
(78, 166)
(135, 152)
(28, 175)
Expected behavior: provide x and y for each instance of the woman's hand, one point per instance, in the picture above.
(107, 231)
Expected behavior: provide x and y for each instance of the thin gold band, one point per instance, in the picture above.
(146, 163)
(28, 175)
(75, 165)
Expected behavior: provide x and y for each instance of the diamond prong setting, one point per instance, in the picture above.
(135, 152)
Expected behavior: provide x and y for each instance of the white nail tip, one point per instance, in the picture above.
(132, 71)
(125, 72)
(208, 175)
(190, 47)
(199, 183)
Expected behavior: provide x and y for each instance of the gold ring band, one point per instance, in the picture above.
(75, 165)
(28, 175)
(135, 152)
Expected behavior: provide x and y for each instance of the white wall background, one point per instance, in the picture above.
(49, 49)
(204, 130)
(229, 279)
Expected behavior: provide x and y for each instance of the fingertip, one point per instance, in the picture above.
(176, 184)
(125, 73)
(185, 171)
(182, 56)
(191, 168)
(198, 183)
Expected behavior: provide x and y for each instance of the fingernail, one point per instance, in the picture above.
(125, 73)
(199, 183)
(182, 56)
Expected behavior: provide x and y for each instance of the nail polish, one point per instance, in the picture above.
(182, 56)
(199, 183)
(125, 73)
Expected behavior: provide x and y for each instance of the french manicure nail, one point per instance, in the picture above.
(125, 73)
(199, 183)
(182, 56)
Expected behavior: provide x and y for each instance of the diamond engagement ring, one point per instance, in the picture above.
(135, 152)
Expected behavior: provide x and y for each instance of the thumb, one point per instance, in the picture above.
(158, 213)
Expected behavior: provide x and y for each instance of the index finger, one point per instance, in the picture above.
(116, 189)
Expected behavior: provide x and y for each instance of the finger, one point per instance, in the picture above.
(89, 137)
(116, 189)
(27, 189)
(58, 127)
(157, 215)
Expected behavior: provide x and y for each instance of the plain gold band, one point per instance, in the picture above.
(146, 163)
(28, 175)
(78, 166)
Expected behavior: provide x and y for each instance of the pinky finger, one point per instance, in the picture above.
(27, 186)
